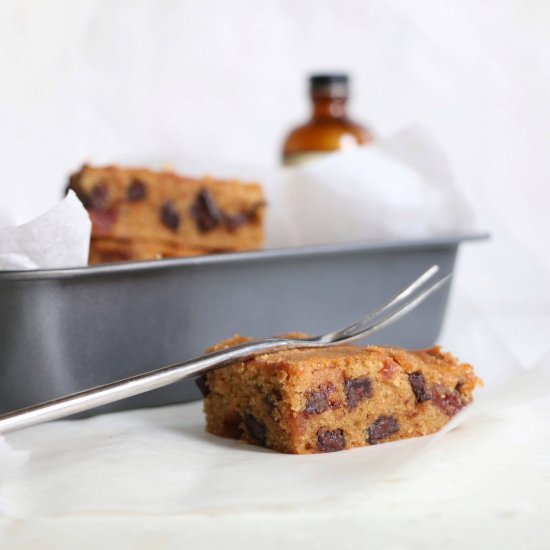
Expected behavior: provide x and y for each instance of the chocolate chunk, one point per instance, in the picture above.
(232, 425)
(136, 191)
(418, 385)
(169, 216)
(205, 212)
(269, 403)
(317, 401)
(382, 427)
(98, 199)
(272, 398)
(234, 221)
(448, 401)
(330, 440)
(256, 429)
(202, 384)
(277, 395)
(357, 390)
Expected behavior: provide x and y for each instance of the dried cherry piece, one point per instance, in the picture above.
(256, 429)
(205, 212)
(169, 216)
(382, 427)
(389, 369)
(317, 401)
(419, 388)
(103, 220)
(202, 384)
(446, 400)
(357, 390)
(136, 191)
(330, 440)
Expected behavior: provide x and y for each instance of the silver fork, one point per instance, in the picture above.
(394, 309)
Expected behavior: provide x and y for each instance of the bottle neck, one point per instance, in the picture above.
(329, 107)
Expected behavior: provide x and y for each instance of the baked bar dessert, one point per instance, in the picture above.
(322, 400)
(120, 250)
(138, 205)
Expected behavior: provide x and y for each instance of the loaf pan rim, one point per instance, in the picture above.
(233, 257)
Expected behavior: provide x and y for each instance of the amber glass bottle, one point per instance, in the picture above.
(329, 128)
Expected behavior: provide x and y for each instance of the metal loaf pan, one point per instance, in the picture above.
(65, 330)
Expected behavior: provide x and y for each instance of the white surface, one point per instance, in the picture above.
(482, 487)
(222, 81)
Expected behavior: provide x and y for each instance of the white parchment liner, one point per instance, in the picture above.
(58, 238)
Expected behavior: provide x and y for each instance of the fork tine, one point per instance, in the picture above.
(408, 290)
(375, 326)
(395, 300)
(405, 292)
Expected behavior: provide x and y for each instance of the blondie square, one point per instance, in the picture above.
(322, 400)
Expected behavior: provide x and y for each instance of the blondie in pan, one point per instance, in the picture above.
(168, 213)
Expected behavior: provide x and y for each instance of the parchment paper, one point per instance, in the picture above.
(58, 238)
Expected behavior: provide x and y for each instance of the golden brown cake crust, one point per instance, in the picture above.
(320, 400)
(118, 250)
(135, 204)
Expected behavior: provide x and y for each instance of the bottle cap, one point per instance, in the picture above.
(329, 85)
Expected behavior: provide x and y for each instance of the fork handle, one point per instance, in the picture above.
(134, 385)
